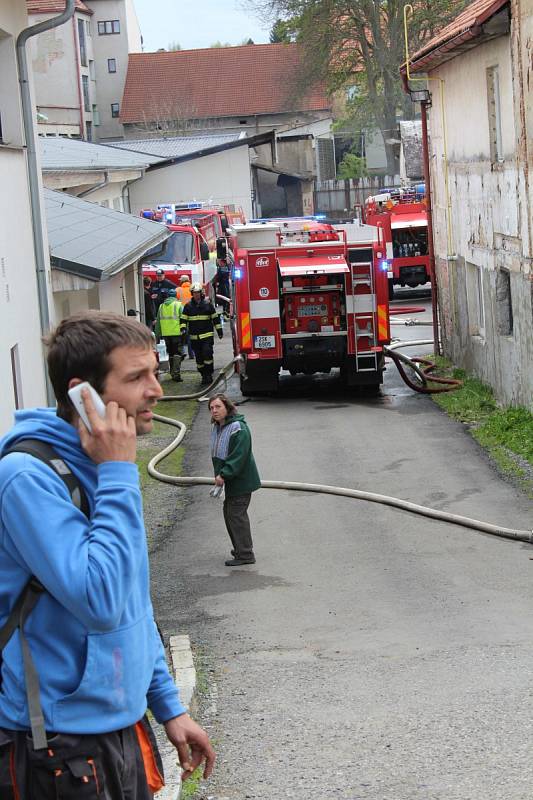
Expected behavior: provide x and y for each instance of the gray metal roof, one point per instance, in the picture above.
(62, 154)
(96, 242)
(177, 146)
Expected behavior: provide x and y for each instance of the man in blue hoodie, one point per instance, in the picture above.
(91, 634)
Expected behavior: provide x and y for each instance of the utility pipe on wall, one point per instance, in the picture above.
(33, 172)
(431, 250)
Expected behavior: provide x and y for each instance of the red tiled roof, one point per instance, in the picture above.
(216, 82)
(47, 6)
(467, 25)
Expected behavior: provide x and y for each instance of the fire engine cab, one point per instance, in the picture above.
(308, 306)
(402, 216)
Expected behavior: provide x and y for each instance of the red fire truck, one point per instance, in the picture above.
(402, 216)
(307, 306)
(185, 252)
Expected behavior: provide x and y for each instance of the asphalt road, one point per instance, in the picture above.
(369, 653)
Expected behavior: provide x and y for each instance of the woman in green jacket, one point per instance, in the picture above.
(235, 470)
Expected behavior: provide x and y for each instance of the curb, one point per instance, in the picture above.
(184, 673)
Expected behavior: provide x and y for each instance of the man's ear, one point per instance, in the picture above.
(74, 382)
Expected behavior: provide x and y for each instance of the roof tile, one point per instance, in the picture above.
(476, 13)
(216, 82)
(46, 6)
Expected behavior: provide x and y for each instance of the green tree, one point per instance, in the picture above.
(357, 46)
(352, 166)
(281, 31)
(174, 46)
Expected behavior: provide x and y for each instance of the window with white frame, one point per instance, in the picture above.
(111, 65)
(495, 117)
(475, 300)
(109, 26)
(115, 110)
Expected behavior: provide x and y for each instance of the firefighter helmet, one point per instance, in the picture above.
(197, 287)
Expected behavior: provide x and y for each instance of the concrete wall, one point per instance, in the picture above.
(483, 243)
(115, 294)
(258, 123)
(20, 332)
(58, 74)
(110, 85)
(219, 178)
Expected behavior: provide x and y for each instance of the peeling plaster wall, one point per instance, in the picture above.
(489, 218)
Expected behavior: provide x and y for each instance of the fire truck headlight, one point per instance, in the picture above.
(384, 266)
(237, 273)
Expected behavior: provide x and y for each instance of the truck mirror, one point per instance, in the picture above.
(222, 247)
(204, 251)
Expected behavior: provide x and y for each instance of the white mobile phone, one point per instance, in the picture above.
(77, 402)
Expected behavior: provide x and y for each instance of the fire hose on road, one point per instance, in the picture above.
(356, 494)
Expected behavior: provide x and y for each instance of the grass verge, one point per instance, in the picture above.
(506, 433)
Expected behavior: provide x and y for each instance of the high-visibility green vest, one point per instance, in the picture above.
(169, 318)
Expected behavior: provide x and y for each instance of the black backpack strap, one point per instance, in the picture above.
(46, 453)
(29, 596)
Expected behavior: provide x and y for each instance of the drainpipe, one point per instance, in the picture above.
(96, 186)
(431, 252)
(33, 171)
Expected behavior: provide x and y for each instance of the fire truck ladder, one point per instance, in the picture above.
(364, 305)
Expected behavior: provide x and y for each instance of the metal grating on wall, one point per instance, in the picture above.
(325, 159)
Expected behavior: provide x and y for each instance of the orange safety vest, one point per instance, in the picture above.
(183, 292)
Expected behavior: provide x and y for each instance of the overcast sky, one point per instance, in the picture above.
(198, 23)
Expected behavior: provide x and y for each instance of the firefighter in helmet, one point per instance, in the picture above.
(202, 320)
(169, 325)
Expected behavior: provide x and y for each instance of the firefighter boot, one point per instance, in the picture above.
(175, 369)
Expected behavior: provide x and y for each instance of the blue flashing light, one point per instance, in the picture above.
(237, 273)
(320, 216)
(168, 217)
(385, 266)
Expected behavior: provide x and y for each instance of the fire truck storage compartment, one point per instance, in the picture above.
(409, 241)
(313, 312)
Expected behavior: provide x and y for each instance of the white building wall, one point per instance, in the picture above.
(223, 177)
(482, 218)
(58, 74)
(19, 308)
(110, 85)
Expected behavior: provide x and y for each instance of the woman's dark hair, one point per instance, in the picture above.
(230, 407)
(80, 347)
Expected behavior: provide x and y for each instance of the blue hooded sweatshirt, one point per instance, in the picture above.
(92, 634)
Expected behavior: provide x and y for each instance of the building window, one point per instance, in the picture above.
(85, 87)
(89, 128)
(115, 110)
(108, 26)
(504, 303)
(16, 376)
(474, 300)
(88, 27)
(111, 65)
(96, 116)
(92, 71)
(495, 119)
(81, 40)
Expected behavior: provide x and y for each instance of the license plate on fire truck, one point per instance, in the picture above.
(264, 342)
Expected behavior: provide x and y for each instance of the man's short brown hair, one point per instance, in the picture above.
(80, 347)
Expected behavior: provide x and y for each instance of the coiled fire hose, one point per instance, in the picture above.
(371, 497)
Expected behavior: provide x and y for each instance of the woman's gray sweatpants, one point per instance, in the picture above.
(238, 525)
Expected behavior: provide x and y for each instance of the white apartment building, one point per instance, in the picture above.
(80, 67)
(21, 354)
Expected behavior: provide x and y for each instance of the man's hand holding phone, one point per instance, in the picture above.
(110, 434)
